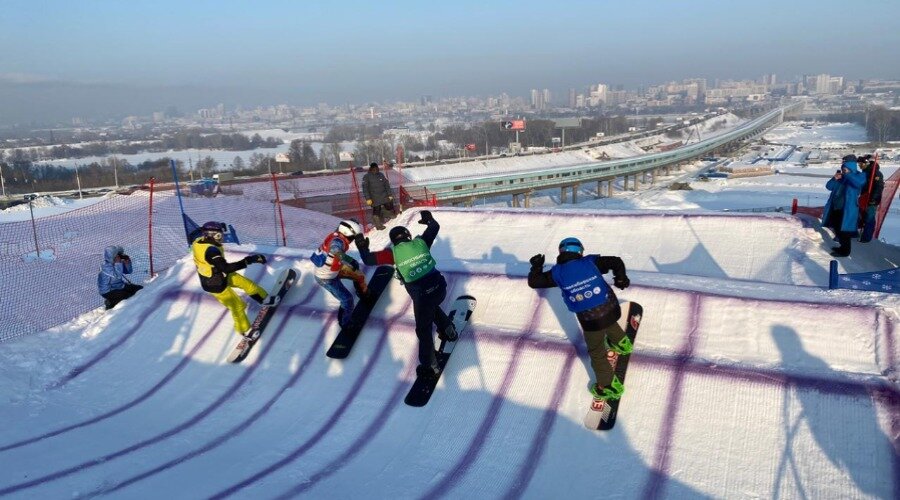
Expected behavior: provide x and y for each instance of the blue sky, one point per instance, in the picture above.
(357, 51)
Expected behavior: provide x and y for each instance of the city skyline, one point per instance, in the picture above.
(104, 56)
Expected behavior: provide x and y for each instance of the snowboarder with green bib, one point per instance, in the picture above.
(425, 284)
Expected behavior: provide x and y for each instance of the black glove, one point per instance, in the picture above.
(537, 261)
(255, 259)
(361, 241)
(354, 264)
(621, 282)
(426, 217)
(125, 257)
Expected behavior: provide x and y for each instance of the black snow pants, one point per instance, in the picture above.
(427, 294)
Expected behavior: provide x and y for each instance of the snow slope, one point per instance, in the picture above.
(749, 380)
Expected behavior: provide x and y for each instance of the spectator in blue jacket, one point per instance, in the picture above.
(841, 211)
(114, 287)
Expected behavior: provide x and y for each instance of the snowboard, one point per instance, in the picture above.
(345, 339)
(460, 314)
(284, 283)
(602, 414)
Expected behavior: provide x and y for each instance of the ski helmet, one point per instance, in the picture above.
(571, 245)
(399, 234)
(214, 231)
(349, 228)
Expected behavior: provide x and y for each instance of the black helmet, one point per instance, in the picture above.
(399, 235)
(214, 231)
(373, 165)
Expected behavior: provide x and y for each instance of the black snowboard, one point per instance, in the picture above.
(602, 414)
(423, 387)
(345, 339)
(284, 283)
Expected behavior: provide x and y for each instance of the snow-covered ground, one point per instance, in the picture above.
(750, 379)
(824, 135)
(44, 206)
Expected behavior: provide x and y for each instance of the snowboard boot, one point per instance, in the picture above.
(379, 224)
(108, 304)
(258, 298)
(448, 334)
(341, 315)
(271, 300)
(622, 347)
(611, 392)
(431, 371)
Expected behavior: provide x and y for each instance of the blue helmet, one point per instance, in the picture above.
(571, 245)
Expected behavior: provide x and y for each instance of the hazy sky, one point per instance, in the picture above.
(305, 51)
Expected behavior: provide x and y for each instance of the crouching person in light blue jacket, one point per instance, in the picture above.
(112, 284)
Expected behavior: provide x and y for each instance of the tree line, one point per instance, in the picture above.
(185, 139)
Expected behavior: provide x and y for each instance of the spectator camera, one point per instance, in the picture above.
(29, 197)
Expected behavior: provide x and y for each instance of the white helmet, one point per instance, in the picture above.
(349, 228)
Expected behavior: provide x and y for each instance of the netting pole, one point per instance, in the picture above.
(357, 199)
(399, 176)
(150, 227)
(280, 214)
(177, 189)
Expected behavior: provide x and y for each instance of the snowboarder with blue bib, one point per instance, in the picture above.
(586, 293)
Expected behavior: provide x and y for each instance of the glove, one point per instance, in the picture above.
(390, 198)
(537, 261)
(125, 257)
(350, 261)
(621, 282)
(426, 217)
(255, 259)
(318, 258)
(361, 241)
(369, 202)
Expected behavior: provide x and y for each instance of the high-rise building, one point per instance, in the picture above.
(572, 98)
(823, 84)
(599, 94)
(546, 99)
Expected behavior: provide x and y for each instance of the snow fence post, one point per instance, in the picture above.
(150, 227)
(280, 214)
(833, 275)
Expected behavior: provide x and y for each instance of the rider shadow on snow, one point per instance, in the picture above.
(840, 414)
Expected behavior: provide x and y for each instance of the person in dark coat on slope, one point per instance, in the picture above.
(586, 293)
(377, 191)
(871, 191)
(841, 211)
(112, 284)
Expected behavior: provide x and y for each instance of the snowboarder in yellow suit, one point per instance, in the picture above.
(218, 277)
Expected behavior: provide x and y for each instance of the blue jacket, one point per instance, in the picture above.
(852, 184)
(112, 274)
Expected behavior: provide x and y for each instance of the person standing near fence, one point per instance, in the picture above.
(218, 277)
(870, 198)
(114, 287)
(841, 211)
(377, 191)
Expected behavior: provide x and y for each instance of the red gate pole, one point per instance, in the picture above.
(150, 227)
(357, 199)
(280, 214)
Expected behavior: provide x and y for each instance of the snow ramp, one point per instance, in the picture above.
(746, 381)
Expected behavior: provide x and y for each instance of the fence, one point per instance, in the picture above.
(60, 280)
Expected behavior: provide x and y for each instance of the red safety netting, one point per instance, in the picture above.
(60, 280)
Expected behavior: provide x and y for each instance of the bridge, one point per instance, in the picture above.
(464, 191)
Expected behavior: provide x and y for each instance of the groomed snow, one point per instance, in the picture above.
(749, 379)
